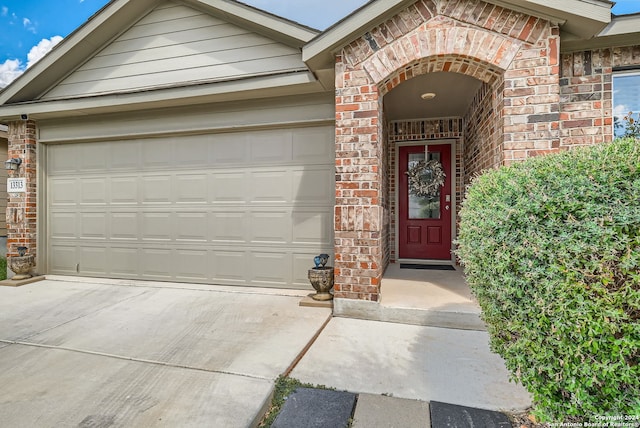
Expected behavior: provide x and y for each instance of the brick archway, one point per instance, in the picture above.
(515, 55)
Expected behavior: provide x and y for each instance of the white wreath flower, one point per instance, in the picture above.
(426, 178)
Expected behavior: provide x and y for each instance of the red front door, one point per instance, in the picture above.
(424, 221)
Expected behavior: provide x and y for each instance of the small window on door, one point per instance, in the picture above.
(423, 207)
(626, 100)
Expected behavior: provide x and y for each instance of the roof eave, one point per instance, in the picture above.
(74, 50)
(265, 23)
(585, 18)
(274, 85)
(623, 30)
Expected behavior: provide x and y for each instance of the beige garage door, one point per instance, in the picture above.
(249, 208)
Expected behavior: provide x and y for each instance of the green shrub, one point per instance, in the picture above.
(551, 249)
(3, 268)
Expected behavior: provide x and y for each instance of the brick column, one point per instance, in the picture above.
(21, 207)
(358, 211)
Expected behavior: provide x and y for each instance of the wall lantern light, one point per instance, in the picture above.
(12, 164)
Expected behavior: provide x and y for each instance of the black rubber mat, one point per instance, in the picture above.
(426, 267)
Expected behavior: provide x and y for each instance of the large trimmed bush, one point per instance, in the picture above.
(551, 249)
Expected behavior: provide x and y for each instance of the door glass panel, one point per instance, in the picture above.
(423, 207)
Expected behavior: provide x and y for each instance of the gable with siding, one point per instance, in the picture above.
(175, 45)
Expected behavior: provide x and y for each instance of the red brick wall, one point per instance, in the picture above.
(483, 137)
(478, 39)
(586, 93)
(21, 207)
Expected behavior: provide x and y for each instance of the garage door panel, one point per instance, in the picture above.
(63, 259)
(124, 262)
(229, 149)
(270, 186)
(311, 227)
(63, 191)
(268, 147)
(92, 261)
(157, 226)
(124, 155)
(93, 191)
(63, 159)
(124, 225)
(156, 263)
(271, 268)
(191, 226)
(230, 266)
(158, 153)
(193, 151)
(124, 190)
(94, 158)
(156, 189)
(270, 226)
(227, 187)
(226, 226)
(192, 265)
(310, 145)
(93, 225)
(313, 186)
(191, 188)
(63, 225)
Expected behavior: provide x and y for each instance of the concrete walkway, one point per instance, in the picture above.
(411, 362)
(77, 352)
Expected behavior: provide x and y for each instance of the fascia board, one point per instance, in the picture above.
(263, 22)
(584, 18)
(257, 87)
(75, 49)
(623, 30)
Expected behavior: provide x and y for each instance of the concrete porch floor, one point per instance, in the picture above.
(427, 297)
(436, 298)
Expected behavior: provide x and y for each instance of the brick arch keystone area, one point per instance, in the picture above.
(489, 54)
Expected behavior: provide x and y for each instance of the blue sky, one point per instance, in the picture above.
(29, 28)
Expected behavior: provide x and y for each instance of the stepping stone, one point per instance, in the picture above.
(451, 416)
(316, 408)
(379, 411)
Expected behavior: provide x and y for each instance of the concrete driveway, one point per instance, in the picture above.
(86, 353)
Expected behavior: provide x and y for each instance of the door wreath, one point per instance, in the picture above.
(426, 178)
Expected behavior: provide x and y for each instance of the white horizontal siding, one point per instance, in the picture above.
(176, 45)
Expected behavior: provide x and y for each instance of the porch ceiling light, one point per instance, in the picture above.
(428, 96)
(12, 164)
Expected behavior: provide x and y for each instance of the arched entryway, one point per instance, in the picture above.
(511, 111)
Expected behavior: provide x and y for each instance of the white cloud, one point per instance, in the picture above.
(41, 49)
(12, 68)
(4, 11)
(28, 25)
(9, 70)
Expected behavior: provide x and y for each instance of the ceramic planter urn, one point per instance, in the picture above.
(22, 265)
(321, 278)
